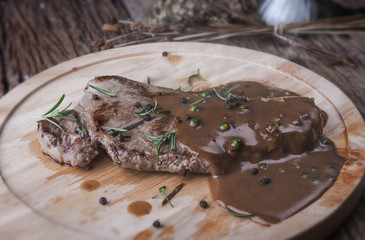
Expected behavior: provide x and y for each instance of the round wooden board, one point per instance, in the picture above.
(41, 199)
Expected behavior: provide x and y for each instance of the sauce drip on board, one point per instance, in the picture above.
(264, 145)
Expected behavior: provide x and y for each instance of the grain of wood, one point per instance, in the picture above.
(39, 34)
(56, 192)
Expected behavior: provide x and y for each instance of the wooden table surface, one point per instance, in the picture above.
(36, 35)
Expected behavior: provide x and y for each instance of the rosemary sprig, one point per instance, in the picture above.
(139, 113)
(197, 75)
(159, 140)
(55, 113)
(114, 128)
(162, 192)
(173, 193)
(236, 214)
(56, 105)
(105, 92)
(226, 92)
(197, 102)
(148, 80)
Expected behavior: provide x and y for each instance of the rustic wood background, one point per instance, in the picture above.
(36, 35)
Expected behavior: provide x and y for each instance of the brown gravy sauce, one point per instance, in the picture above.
(139, 208)
(283, 162)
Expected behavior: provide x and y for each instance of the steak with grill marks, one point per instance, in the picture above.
(129, 150)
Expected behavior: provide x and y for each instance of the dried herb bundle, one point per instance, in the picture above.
(134, 32)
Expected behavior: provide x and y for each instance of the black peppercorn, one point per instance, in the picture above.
(254, 171)
(233, 99)
(103, 201)
(183, 100)
(244, 99)
(164, 53)
(112, 132)
(137, 105)
(187, 117)
(203, 204)
(185, 172)
(96, 97)
(229, 106)
(265, 181)
(147, 118)
(159, 94)
(157, 224)
(148, 107)
(122, 138)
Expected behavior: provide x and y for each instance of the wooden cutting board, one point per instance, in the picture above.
(42, 200)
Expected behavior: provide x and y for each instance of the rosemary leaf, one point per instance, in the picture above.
(228, 91)
(68, 118)
(63, 111)
(148, 80)
(134, 125)
(236, 214)
(219, 96)
(114, 128)
(174, 90)
(186, 91)
(150, 137)
(172, 141)
(163, 113)
(197, 75)
(83, 129)
(161, 190)
(55, 106)
(139, 113)
(173, 193)
(54, 123)
(105, 92)
(196, 102)
(158, 141)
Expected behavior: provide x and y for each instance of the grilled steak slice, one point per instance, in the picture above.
(131, 149)
(71, 147)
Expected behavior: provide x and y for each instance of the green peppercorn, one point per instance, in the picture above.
(193, 108)
(237, 142)
(314, 180)
(193, 122)
(243, 107)
(204, 94)
(324, 141)
(224, 127)
(303, 175)
(262, 165)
